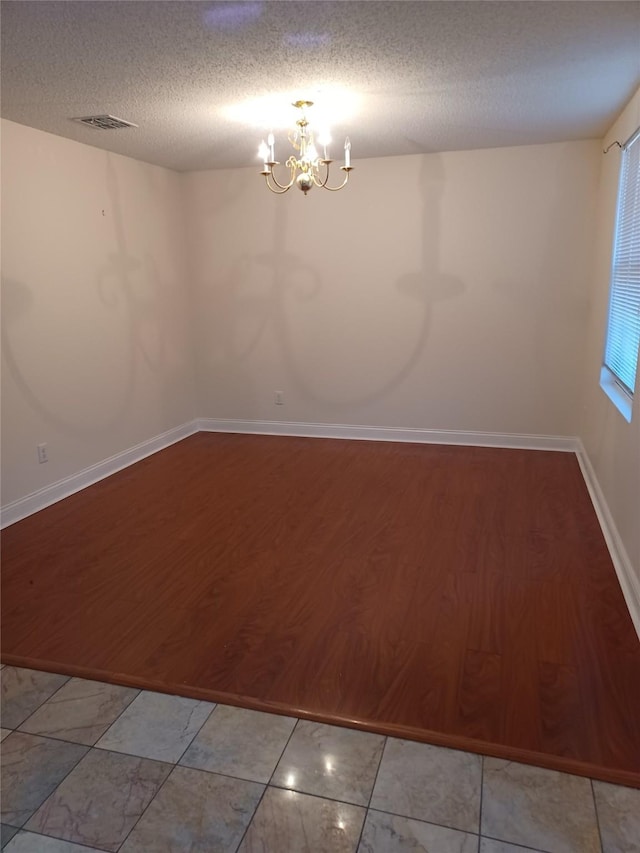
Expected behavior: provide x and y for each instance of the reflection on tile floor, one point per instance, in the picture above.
(89, 767)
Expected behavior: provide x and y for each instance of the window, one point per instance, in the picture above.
(618, 376)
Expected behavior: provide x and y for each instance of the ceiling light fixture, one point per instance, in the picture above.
(308, 169)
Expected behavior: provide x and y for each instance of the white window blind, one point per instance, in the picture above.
(623, 326)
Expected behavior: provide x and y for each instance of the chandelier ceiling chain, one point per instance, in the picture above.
(308, 169)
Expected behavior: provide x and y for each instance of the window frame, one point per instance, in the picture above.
(611, 383)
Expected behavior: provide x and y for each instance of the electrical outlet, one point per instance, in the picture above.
(43, 456)
(278, 398)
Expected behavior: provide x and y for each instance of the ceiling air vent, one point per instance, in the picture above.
(105, 122)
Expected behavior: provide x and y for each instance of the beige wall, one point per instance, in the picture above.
(613, 445)
(443, 291)
(96, 344)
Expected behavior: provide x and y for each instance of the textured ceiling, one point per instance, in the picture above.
(404, 77)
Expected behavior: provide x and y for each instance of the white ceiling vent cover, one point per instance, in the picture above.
(105, 122)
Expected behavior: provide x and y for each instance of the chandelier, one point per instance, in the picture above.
(306, 169)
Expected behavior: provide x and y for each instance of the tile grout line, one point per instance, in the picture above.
(64, 683)
(481, 803)
(90, 746)
(373, 787)
(77, 844)
(126, 707)
(538, 849)
(268, 784)
(246, 829)
(294, 790)
(195, 735)
(433, 823)
(318, 796)
(144, 811)
(417, 819)
(89, 750)
(64, 740)
(514, 844)
(595, 809)
(284, 749)
(46, 799)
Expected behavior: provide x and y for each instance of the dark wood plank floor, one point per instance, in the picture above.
(461, 596)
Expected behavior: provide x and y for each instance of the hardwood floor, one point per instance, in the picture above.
(460, 596)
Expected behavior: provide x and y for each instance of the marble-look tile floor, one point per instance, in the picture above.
(88, 766)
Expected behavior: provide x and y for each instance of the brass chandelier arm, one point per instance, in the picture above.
(316, 179)
(279, 188)
(282, 187)
(324, 183)
(278, 184)
(273, 190)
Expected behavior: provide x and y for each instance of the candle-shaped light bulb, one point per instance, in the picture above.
(347, 152)
(312, 154)
(271, 142)
(263, 152)
(324, 139)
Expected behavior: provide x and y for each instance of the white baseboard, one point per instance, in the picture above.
(420, 436)
(622, 563)
(36, 501)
